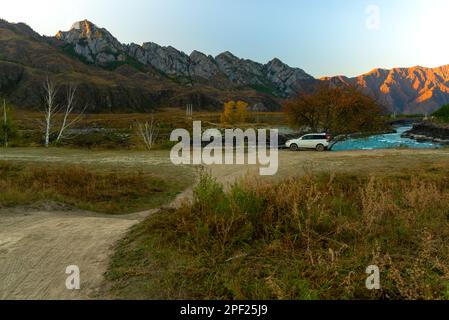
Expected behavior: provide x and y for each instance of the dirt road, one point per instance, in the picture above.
(37, 244)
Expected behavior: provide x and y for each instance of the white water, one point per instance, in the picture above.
(384, 141)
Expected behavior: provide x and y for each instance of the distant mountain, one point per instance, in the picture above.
(129, 77)
(26, 59)
(404, 90)
(115, 77)
(99, 46)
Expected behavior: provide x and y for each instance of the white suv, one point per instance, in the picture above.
(315, 141)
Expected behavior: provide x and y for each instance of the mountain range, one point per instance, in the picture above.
(115, 77)
(416, 90)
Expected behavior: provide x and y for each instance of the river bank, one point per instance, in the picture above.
(390, 140)
(428, 132)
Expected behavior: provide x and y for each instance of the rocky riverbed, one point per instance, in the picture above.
(429, 132)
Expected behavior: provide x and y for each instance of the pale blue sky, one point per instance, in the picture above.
(324, 37)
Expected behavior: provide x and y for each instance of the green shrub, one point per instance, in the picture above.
(442, 113)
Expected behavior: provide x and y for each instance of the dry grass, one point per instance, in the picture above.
(306, 238)
(106, 191)
(119, 131)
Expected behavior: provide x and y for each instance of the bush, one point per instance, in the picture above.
(442, 113)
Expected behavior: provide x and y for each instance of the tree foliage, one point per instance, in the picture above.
(442, 113)
(234, 112)
(336, 110)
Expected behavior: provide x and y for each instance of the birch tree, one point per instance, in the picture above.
(149, 133)
(50, 109)
(68, 110)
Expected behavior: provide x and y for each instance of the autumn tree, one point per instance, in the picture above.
(235, 112)
(337, 110)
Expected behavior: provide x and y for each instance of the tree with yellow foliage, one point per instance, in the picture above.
(234, 112)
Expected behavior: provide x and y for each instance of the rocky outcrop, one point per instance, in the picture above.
(203, 66)
(95, 44)
(239, 71)
(165, 59)
(286, 79)
(427, 131)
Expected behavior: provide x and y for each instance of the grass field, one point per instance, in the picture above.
(119, 131)
(306, 238)
(105, 182)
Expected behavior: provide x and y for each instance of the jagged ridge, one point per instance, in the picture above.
(99, 46)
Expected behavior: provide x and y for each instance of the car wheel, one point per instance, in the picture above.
(294, 147)
(320, 148)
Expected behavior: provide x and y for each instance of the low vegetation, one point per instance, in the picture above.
(121, 131)
(111, 190)
(307, 238)
(442, 114)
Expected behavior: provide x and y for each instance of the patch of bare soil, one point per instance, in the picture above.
(37, 246)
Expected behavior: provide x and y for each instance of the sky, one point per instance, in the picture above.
(323, 37)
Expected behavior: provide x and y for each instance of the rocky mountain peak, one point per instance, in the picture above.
(287, 79)
(96, 45)
(86, 27)
(227, 55)
(84, 30)
(275, 62)
(197, 55)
